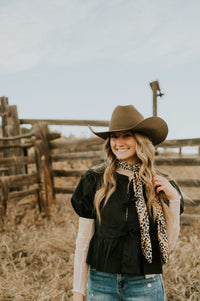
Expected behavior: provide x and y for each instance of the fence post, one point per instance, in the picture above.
(4, 113)
(44, 168)
(155, 87)
(10, 128)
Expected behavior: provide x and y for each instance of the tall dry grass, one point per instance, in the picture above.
(182, 273)
(36, 254)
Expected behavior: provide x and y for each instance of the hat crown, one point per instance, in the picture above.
(125, 117)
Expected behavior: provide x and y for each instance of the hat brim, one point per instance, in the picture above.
(155, 128)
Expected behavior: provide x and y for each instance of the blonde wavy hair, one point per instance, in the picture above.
(145, 152)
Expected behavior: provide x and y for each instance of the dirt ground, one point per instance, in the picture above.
(37, 253)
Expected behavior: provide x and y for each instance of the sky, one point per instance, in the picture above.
(79, 59)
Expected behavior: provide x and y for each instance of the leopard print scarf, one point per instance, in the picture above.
(143, 216)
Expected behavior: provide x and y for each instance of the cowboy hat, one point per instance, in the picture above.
(128, 118)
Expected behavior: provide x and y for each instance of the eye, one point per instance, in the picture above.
(113, 136)
(127, 135)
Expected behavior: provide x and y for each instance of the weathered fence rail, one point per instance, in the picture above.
(40, 150)
(78, 155)
(65, 122)
(181, 143)
(178, 161)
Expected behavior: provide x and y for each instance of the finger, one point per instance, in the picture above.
(157, 179)
(157, 183)
(159, 188)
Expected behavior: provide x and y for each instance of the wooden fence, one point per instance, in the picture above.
(27, 161)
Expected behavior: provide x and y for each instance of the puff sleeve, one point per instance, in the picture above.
(83, 197)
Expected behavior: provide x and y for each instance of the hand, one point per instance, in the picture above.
(162, 184)
(77, 296)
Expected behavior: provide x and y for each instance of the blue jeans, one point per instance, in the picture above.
(115, 287)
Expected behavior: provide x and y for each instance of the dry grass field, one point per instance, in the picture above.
(36, 253)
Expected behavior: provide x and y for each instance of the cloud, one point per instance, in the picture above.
(76, 31)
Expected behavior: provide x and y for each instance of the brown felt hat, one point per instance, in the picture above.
(128, 118)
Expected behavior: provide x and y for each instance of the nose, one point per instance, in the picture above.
(119, 141)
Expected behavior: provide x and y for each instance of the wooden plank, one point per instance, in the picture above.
(103, 123)
(50, 136)
(3, 170)
(16, 137)
(4, 113)
(180, 143)
(65, 190)
(190, 219)
(78, 156)
(75, 143)
(191, 202)
(20, 180)
(168, 161)
(11, 133)
(44, 168)
(189, 182)
(17, 145)
(10, 161)
(68, 173)
(20, 194)
(53, 135)
(155, 87)
(174, 161)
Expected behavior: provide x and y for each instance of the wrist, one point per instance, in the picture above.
(175, 200)
(77, 296)
(174, 207)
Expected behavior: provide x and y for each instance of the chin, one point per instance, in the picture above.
(122, 158)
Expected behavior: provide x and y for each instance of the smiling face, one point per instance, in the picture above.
(123, 146)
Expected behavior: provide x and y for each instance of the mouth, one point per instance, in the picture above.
(122, 150)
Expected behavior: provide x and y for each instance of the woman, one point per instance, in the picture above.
(129, 214)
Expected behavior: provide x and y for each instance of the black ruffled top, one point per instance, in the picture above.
(115, 246)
